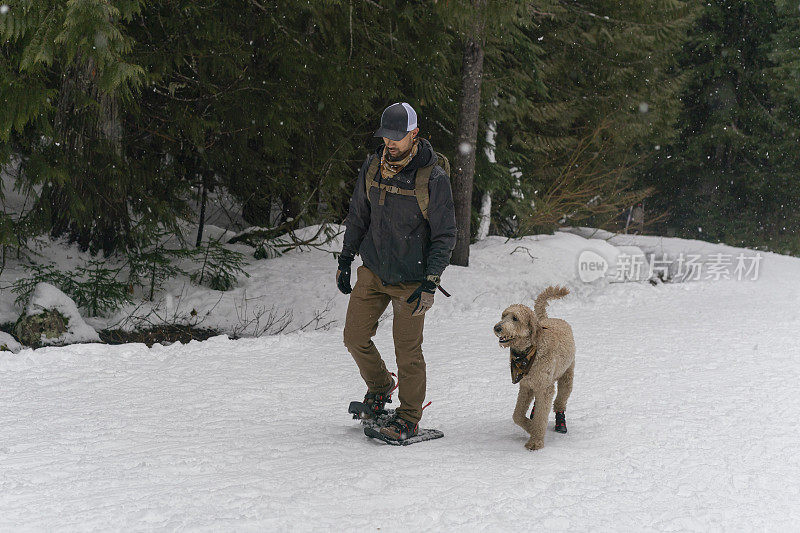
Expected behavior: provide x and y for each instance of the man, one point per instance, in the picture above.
(405, 231)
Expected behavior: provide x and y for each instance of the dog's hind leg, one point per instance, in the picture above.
(564, 389)
(524, 399)
(539, 422)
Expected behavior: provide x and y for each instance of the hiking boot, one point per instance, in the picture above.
(399, 429)
(375, 402)
(561, 422)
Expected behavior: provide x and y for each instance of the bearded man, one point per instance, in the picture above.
(402, 223)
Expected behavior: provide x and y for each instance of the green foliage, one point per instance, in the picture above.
(93, 287)
(269, 248)
(219, 267)
(783, 78)
(731, 174)
(278, 102)
(152, 263)
(555, 80)
(120, 111)
(98, 288)
(67, 79)
(23, 287)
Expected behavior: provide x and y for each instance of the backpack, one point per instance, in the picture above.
(423, 176)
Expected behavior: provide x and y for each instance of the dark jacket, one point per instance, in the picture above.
(394, 240)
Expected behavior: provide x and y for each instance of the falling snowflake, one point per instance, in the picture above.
(465, 148)
(4, 9)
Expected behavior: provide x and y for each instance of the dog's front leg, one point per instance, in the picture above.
(539, 423)
(524, 399)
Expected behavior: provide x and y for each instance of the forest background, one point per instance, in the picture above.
(118, 118)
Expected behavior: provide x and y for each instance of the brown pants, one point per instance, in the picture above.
(368, 301)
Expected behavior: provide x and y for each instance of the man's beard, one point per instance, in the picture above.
(399, 156)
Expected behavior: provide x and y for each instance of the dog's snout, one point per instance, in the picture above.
(497, 328)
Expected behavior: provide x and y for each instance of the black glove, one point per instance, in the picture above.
(423, 295)
(343, 275)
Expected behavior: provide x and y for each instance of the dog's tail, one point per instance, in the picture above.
(550, 293)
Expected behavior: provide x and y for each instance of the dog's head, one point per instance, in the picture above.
(517, 327)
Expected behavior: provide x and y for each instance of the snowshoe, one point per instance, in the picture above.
(400, 432)
(422, 435)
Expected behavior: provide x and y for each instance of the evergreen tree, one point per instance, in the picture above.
(783, 78)
(65, 77)
(143, 105)
(722, 178)
(281, 112)
(122, 111)
(583, 92)
(369, 56)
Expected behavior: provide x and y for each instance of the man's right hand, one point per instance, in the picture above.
(343, 277)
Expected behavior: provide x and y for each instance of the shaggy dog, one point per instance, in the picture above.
(542, 353)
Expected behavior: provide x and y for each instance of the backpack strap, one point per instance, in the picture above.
(421, 181)
(444, 163)
(369, 182)
(421, 188)
(369, 178)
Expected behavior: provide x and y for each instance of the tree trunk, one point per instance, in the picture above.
(464, 162)
(202, 221)
(292, 206)
(485, 217)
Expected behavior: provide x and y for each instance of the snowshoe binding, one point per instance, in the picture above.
(372, 411)
(400, 432)
(399, 429)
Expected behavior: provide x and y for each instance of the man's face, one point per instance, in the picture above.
(398, 149)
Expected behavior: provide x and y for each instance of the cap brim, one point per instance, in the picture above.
(391, 134)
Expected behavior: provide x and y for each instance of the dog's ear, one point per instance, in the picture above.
(530, 318)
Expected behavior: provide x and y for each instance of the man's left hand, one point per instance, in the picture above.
(423, 296)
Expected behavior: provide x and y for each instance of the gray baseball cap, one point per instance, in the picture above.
(396, 121)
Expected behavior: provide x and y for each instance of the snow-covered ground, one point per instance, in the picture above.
(683, 416)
